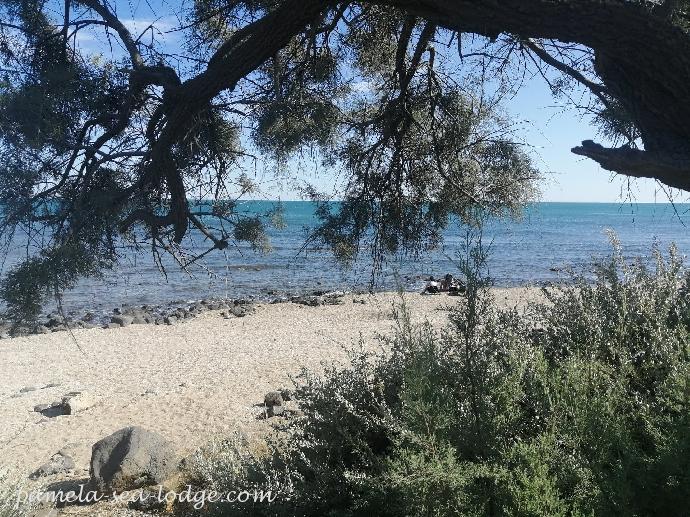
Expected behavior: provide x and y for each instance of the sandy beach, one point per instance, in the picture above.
(191, 381)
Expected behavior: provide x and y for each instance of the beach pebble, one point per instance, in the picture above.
(131, 458)
(55, 320)
(78, 401)
(170, 320)
(240, 311)
(51, 385)
(122, 319)
(59, 463)
(140, 317)
(27, 389)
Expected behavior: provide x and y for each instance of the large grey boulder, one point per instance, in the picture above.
(131, 458)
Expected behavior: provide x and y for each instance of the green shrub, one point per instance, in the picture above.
(11, 503)
(579, 407)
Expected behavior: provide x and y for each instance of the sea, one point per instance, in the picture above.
(535, 249)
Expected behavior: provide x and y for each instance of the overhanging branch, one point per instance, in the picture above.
(672, 171)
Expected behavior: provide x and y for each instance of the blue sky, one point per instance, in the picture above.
(553, 130)
(548, 128)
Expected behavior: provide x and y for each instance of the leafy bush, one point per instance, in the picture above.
(578, 407)
(10, 504)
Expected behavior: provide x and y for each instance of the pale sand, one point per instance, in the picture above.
(190, 382)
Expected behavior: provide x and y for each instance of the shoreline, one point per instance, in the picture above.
(172, 312)
(192, 381)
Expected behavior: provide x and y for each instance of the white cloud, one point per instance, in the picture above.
(95, 39)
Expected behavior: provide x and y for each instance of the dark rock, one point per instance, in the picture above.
(170, 320)
(122, 319)
(286, 394)
(273, 398)
(55, 320)
(58, 464)
(131, 458)
(240, 311)
(53, 410)
(140, 317)
(311, 301)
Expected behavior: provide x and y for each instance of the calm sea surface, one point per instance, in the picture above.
(549, 236)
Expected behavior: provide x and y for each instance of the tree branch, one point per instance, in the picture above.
(672, 171)
(115, 24)
(597, 89)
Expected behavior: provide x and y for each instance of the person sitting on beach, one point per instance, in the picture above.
(452, 286)
(432, 286)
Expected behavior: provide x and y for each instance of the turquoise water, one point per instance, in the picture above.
(549, 236)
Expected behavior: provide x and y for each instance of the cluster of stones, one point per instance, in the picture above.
(145, 315)
(319, 298)
(133, 457)
(70, 404)
(122, 317)
(167, 315)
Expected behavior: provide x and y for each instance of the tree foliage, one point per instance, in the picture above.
(389, 96)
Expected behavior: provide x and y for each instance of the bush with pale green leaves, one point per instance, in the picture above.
(11, 502)
(580, 406)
